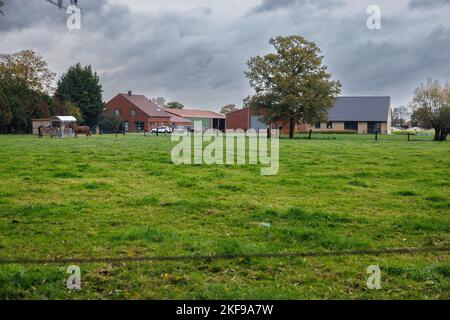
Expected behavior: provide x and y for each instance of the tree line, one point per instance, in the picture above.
(29, 90)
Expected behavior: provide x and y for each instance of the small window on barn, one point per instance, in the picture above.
(133, 113)
(317, 125)
(330, 125)
(117, 112)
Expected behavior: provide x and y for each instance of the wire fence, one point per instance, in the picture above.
(315, 135)
(368, 252)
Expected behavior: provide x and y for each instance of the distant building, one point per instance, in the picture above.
(209, 119)
(138, 113)
(36, 123)
(359, 114)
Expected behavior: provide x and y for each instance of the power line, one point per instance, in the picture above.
(373, 252)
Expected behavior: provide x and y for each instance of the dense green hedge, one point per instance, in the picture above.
(334, 132)
(412, 133)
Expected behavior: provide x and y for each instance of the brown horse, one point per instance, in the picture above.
(77, 130)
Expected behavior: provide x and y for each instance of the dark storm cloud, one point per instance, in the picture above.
(394, 68)
(190, 56)
(23, 14)
(271, 5)
(415, 4)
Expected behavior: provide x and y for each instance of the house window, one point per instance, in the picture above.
(117, 112)
(133, 113)
(330, 125)
(351, 125)
(317, 125)
(126, 126)
(139, 126)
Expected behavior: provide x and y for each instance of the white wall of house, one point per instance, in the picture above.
(362, 127)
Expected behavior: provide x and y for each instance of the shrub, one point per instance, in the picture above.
(334, 132)
(109, 122)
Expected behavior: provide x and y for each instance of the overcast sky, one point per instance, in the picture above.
(195, 51)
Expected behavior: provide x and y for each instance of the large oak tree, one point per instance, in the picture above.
(31, 68)
(292, 84)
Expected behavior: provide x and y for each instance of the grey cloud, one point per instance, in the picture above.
(23, 14)
(189, 56)
(272, 5)
(420, 4)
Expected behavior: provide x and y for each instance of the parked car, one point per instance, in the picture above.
(162, 129)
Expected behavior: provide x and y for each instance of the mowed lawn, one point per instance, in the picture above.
(108, 197)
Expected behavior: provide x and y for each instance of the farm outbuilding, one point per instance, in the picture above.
(209, 119)
(62, 124)
(36, 123)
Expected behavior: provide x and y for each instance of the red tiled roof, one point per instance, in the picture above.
(194, 113)
(177, 119)
(141, 102)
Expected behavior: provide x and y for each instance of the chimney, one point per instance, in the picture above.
(130, 93)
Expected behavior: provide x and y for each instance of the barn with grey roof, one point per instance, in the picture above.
(365, 115)
(361, 114)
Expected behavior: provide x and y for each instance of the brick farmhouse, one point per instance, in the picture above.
(138, 113)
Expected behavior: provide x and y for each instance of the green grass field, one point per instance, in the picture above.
(108, 197)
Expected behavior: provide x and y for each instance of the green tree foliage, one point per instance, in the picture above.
(109, 122)
(228, 108)
(66, 108)
(81, 86)
(292, 84)
(174, 105)
(431, 107)
(19, 103)
(30, 68)
(6, 114)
